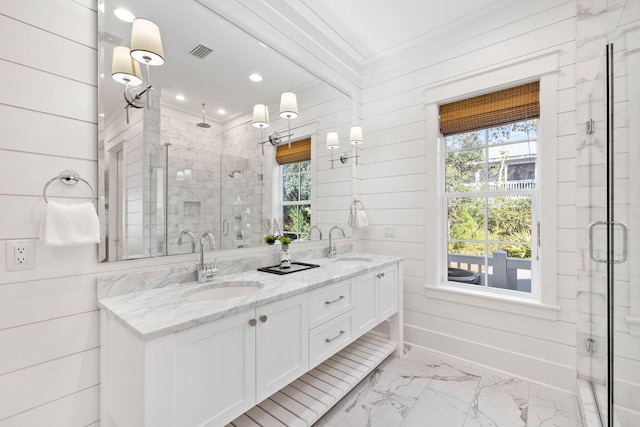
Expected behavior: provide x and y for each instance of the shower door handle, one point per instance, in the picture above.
(225, 227)
(625, 241)
(591, 254)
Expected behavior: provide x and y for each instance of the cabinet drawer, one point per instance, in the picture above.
(330, 301)
(327, 339)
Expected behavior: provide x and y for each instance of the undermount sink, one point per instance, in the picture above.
(353, 259)
(226, 290)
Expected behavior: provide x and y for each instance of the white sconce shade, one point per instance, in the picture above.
(355, 136)
(187, 173)
(146, 44)
(180, 176)
(260, 116)
(123, 68)
(288, 105)
(333, 141)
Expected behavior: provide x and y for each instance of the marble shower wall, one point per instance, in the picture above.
(209, 189)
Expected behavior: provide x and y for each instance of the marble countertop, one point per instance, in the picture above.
(153, 313)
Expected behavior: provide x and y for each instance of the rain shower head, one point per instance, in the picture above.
(203, 124)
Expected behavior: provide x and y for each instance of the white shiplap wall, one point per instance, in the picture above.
(49, 323)
(395, 189)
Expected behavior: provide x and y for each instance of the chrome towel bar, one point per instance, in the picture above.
(67, 177)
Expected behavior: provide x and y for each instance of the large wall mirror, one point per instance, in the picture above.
(185, 155)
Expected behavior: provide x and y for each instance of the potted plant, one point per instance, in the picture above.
(285, 255)
(285, 241)
(269, 239)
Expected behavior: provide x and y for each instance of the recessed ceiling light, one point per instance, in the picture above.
(101, 114)
(222, 111)
(180, 97)
(255, 77)
(124, 15)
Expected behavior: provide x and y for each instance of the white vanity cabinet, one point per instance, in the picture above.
(205, 375)
(208, 375)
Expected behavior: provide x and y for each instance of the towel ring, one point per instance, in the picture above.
(356, 206)
(68, 177)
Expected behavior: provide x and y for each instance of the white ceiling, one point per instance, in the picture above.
(372, 28)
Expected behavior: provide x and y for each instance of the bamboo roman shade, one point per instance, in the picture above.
(300, 151)
(493, 109)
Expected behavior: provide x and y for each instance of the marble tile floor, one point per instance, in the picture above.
(427, 389)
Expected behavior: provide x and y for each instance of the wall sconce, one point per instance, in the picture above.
(333, 143)
(146, 48)
(261, 120)
(288, 109)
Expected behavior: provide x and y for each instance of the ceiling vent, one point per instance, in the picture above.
(110, 38)
(200, 51)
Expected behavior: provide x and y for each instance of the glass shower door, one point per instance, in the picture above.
(609, 182)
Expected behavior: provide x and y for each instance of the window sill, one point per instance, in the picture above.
(500, 302)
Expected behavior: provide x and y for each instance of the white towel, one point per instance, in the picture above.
(70, 225)
(358, 219)
(361, 219)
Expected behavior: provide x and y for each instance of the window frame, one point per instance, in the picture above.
(543, 67)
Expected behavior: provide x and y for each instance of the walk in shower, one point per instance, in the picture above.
(608, 210)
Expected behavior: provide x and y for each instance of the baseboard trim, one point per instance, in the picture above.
(516, 364)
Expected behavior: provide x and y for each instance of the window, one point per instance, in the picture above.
(490, 187)
(295, 173)
(296, 199)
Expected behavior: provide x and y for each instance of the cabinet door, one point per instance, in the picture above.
(282, 348)
(387, 283)
(365, 316)
(215, 371)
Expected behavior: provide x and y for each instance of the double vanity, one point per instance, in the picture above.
(252, 348)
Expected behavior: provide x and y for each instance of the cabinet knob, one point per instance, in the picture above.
(263, 318)
(252, 322)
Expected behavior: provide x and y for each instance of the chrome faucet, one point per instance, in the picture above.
(206, 272)
(191, 237)
(333, 251)
(317, 228)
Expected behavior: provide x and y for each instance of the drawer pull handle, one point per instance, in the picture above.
(380, 276)
(252, 322)
(331, 339)
(335, 300)
(263, 318)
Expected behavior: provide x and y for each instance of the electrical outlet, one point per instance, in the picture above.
(21, 255)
